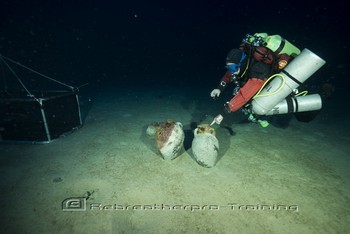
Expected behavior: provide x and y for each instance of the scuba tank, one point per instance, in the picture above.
(280, 45)
(297, 104)
(294, 74)
(276, 43)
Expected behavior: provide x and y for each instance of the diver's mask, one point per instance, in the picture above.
(233, 67)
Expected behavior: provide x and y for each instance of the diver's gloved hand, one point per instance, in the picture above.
(215, 93)
(218, 119)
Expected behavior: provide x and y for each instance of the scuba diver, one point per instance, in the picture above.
(262, 85)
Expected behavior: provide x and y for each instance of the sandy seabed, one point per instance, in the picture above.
(107, 176)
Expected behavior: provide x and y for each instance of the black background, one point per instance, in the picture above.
(176, 43)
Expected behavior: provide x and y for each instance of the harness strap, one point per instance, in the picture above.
(291, 77)
(296, 105)
(283, 42)
(290, 106)
(265, 56)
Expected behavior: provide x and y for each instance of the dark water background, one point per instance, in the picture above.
(143, 44)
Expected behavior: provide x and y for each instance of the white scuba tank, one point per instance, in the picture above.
(297, 104)
(295, 73)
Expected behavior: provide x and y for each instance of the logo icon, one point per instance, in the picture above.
(74, 204)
